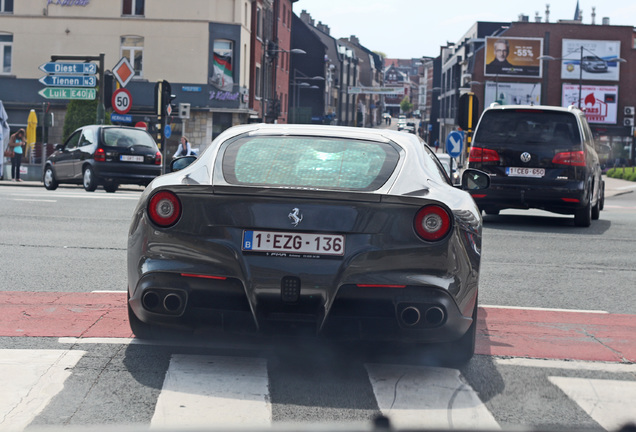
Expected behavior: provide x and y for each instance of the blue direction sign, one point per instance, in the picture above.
(167, 131)
(454, 143)
(69, 68)
(121, 118)
(69, 80)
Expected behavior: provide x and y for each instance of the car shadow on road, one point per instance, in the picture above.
(545, 224)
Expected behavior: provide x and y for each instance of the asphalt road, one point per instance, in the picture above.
(71, 241)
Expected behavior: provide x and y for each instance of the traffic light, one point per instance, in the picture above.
(108, 90)
(158, 97)
(272, 49)
(166, 98)
(467, 112)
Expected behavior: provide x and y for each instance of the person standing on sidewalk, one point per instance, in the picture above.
(184, 148)
(16, 143)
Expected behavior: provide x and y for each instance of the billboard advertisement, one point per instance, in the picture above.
(590, 59)
(599, 102)
(513, 56)
(509, 93)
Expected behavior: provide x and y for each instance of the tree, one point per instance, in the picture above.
(406, 106)
(80, 113)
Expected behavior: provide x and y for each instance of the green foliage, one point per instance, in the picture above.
(80, 113)
(627, 173)
(406, 106)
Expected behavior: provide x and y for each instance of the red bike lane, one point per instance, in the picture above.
(544, 334)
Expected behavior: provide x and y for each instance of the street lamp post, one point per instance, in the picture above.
(297, 84)
(268, 58)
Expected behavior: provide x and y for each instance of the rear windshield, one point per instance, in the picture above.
(512, 127)
(311, 162)
(115, 137)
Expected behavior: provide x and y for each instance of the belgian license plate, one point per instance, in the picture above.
(298, 243)
(525, 172)
(131, 158)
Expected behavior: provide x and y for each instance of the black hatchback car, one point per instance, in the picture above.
(104, 155)
(538, 157)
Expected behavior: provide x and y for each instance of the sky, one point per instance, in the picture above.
(417, 28)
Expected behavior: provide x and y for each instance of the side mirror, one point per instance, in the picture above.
(59, 146)
(473, 179)
(181, 163)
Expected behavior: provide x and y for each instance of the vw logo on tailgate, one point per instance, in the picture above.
(525, 157)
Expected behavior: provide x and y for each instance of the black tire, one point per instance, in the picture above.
(111, 187)
(602, 199)
(596, 210)
(50, 183)
(583, 216)
(88, 179)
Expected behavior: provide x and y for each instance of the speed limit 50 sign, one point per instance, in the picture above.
(122, 101)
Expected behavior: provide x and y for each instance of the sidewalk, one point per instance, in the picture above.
(613, 186)
(30, 183)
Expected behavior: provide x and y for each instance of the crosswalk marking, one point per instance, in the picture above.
(604, 400)
(213, 391)
(222, 391)
(30, 379)
(428, 398)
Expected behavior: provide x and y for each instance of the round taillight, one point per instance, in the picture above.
(164, 209)
(432, 223)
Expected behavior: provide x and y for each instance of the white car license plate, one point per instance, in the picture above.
(301, 243)
(525, 172)
(131, 158)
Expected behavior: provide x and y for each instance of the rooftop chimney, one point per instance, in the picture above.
(323, 27)
(547, 13)
(606, 21)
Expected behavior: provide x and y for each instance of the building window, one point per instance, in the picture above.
(6, 6)
(259, 23)
(6, 47)
(132, 47)
(257, 82)
(133, 7)
(222, 74)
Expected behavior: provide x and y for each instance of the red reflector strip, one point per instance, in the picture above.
(379, 286)
(572, 200)
(203, 276)
(479, 196)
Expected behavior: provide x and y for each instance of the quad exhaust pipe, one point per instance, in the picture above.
(412, 315)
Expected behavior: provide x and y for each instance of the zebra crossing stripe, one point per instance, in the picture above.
(30, 379)
(214, 391)
(603, 400)
(428, 398)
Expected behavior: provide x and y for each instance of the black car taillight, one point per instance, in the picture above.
(482, 155)
(100, 155)
(158, 158)
(164, 209)
(432, 223)
(575, 158)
